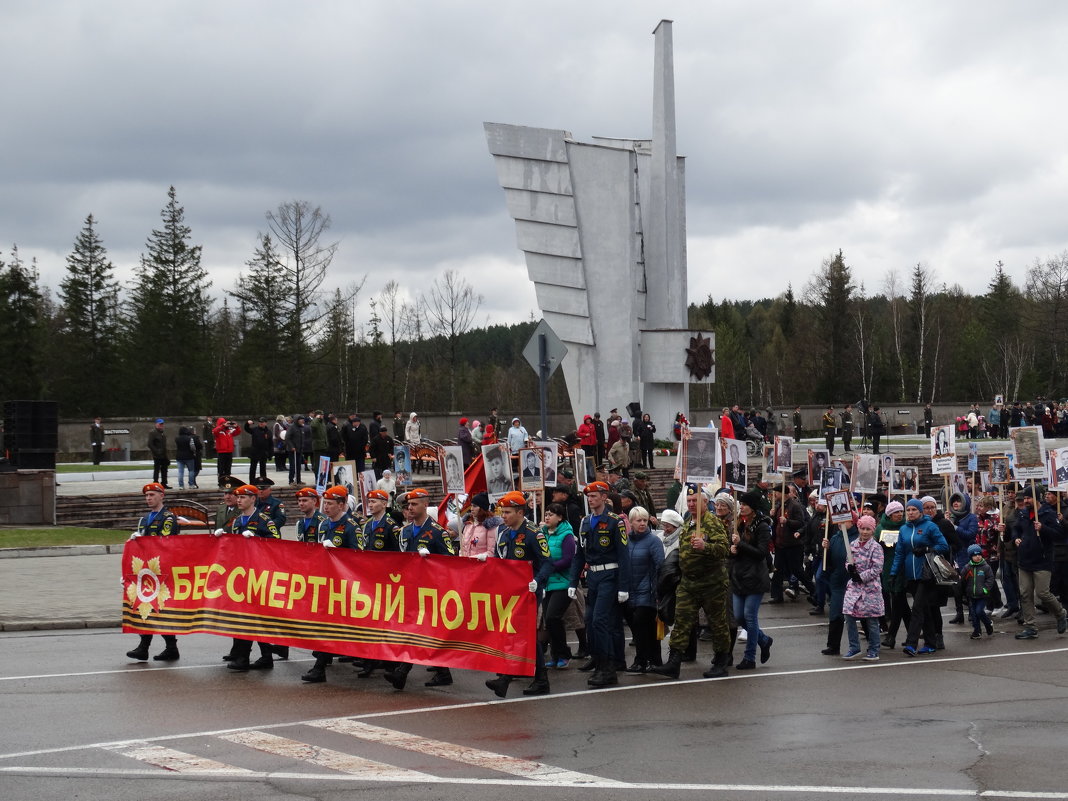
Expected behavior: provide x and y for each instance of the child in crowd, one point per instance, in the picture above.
(977, 579)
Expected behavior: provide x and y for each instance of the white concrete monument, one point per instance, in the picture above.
(603, 228)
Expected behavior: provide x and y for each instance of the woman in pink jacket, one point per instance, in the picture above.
(864, 591)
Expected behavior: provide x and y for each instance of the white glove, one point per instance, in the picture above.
(329, 544)
(247, 534)
(423, 552)
(572, 593)
(622, 597)
(533, 586)
(482, 556)
(219, 532)
(135, 535)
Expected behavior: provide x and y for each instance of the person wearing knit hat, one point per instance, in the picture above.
(895, 598)
(863, 594)
(918, 537)
(158, 522)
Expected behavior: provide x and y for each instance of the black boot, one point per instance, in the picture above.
(368, 668)
(588, 665)
(958, 618)
(317, 673)
(170, 649)
(281, 651)
(537, 687)
(719, 667)
(671, 668)
(606, 675)
(140, 653)
(499, 685)
(398, 674)
(442, 678)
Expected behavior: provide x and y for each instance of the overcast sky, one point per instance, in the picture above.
(898, 132)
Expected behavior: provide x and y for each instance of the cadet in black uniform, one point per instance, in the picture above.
(159, 522)
(337, 531)
(251, 522)
(516, 539)
(602, 546)
(424, 536)
(266, 502)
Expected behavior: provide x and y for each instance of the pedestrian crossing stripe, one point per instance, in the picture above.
(458, 753)
(325, 757)
(530, 771)
(177, 761)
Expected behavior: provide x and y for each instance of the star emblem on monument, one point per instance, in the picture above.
(699, 357)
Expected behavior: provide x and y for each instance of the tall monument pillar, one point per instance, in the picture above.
(602, 225)
(665, 233)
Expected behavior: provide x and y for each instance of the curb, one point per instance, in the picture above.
(61, 623)
(61, 550)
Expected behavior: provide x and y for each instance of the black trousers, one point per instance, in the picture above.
(789, 562)
(254, 462)
(925, 613)
(555, 606)
(159, 470)
(224, 465)
(642, 622)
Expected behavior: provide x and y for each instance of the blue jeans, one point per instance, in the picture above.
(871, 626)
(746, 609)
(979, 614)
(183, 466)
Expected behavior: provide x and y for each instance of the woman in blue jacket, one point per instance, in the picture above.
(918, 537)
(646, 553)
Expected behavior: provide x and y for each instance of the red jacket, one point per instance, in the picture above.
(726, 427)
(224, 436)
(587, 433)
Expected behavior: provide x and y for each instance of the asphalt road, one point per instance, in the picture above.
(983, 720)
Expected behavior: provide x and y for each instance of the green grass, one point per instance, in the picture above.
(120, 467)
(45, 537)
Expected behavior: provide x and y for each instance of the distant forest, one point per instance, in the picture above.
(278, 343)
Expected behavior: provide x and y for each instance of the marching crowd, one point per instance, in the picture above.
(604, 559)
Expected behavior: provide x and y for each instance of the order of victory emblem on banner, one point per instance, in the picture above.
(147, 592)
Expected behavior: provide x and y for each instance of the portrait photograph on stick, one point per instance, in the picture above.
(549, 461)
(1028, 453)
(699, 456)
(818, 459)
(771, 475)
(886, 467)
(999, 471)
(943, 450)
(839, 507)
(784, 455)
(735, 466)
(865, 473)
(530, 471)
(498, 467)
(451, 460)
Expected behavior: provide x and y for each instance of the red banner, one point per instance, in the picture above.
(441, 610)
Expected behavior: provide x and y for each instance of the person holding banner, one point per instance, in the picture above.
(602, 547)
(1034, 538)
(422, 535)
(312, 520)
(251, 522)
(379, 532)
(337, 531)
(516, 539)
(703, 550)
(159, 522)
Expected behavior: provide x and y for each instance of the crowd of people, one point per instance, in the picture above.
(606, 560)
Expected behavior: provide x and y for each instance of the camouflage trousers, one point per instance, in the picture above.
(712, 594)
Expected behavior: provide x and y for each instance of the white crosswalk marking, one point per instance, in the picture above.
(528, 769)
(178, 761)
(324, 757)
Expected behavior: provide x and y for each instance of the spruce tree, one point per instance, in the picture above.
(21, 327)
(169, 313)
(89, 295)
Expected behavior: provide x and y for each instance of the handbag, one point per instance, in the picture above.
(943, 571)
